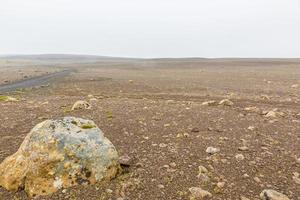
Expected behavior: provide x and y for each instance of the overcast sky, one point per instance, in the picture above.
(152, 28)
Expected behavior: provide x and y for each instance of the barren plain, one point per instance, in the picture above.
(152, 111)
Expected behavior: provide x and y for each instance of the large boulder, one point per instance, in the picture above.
(59, 154)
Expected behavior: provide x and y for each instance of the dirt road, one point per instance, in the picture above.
(34, 81)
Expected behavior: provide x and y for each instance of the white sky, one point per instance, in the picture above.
(152, 28)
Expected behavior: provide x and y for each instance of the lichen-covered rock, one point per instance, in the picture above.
(78, 105)
(59, 154)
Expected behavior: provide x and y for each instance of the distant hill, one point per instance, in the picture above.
(63, 58)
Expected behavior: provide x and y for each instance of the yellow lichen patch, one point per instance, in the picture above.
(7, 98)
(87, 126)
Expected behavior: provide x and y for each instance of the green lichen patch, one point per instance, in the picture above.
(74, 122)
(3, 98)
(87, 126)
(109, 114)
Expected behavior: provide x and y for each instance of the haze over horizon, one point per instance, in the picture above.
(140, 28)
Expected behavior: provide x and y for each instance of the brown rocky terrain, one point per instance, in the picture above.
(171, 143)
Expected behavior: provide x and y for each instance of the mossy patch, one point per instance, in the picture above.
(3, 98)
(87, 126)
(8, 98)
(74, 122)
(109, 114)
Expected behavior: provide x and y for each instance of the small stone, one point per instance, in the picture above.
(271, 114)
(125, 160)
(295, 86)
(209, 103)
(109, 191)
(257, 180)
(160, 186)
(162, 145)
(202, 170)
(198, 192)
(78, 105)
(252, 109)
(272, 195)
(245, 176)
(226, 102)
(251, 128)
(195, 130)
(296, 177)
(220, 184)
(173, 164)
(239, 157)
(243, 148)
(212, 150)
(244, 198)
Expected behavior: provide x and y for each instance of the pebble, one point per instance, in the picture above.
(212, 150)
(209, 103)
(243, 148)
(125, 160)
(244, 198)
(220, 184)
(256, 179)
(162, 145)
(295, 86)
(198, 192)
(271, 114)
(272, 195)
(251, 128)
(173, 164)
(296, 177)
(239, 157)
(160, 186)
(226, 102)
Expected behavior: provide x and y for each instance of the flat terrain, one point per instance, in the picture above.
(152, 111)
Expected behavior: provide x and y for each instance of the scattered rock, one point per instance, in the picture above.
(296, 177)
(257, 180)
(220, 184)
(212, 150)
(81, 105)
(274, 113)
(243, 148)
(239, 157)
(209, 103)
(244, 198)
(162, 145)
(272, 195)
(199, 193)
(160, 186)
(195, 130)
(251, 128)
(58, 154)
(271, 114)
(252, 109)
(125, 160)
(295, 86)
(226, 102)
